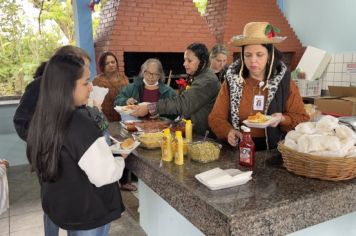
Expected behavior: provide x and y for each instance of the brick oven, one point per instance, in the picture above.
(138, 29)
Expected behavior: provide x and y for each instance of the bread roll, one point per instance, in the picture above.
(127, 143)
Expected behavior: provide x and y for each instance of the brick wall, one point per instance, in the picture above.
(170, 26)
(239, 12)
(150, 26)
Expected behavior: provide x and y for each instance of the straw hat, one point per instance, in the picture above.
(257, 33)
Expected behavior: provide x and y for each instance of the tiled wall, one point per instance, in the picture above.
(336, 73)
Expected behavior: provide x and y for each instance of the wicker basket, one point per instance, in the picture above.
(325, 168)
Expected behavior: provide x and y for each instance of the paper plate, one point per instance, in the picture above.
(217, 178)
(124, 110)
(262, 125)
(116, 149)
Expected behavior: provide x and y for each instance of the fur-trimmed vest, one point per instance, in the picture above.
(278, 92)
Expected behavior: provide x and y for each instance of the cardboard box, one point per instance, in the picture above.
(342, 101)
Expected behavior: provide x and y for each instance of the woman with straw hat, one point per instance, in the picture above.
(257, 82)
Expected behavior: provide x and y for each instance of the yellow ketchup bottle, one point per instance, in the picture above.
(188, 131)
(166, 146)
(178, 155)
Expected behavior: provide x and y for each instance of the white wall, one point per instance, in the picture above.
(326, 24)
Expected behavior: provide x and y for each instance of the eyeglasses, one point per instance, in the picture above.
(152, 75)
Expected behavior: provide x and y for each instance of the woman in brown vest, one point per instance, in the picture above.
(257, 82)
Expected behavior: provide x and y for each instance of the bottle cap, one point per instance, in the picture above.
(245, 129)
(178, 133)
(167, 131)
(188, 122)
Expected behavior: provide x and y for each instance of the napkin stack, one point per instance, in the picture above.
(217, 178)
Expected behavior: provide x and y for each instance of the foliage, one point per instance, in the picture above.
(22, 48)
(201, 5)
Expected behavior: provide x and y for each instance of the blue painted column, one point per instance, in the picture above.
(84, 30)
(280, 3)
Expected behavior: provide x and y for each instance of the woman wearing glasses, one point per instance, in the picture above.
(147, 87)
(196, 102)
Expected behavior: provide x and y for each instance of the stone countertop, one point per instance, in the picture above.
(274, 202)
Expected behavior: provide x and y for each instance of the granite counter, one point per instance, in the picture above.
(274, 202)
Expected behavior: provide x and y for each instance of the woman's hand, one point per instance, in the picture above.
(279, 120)
(141, 111)
(233, 137)
(131, 101)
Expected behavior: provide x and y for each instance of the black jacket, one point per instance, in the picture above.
(75, 201)
(26, 108)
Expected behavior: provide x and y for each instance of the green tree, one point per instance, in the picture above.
(22, 48)
(62, 14)
(58, 11)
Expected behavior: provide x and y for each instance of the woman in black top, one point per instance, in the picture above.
(65, 147)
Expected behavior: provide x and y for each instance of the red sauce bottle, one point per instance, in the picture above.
(247, 148)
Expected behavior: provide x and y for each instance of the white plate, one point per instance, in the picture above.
(126, 122)
(116, 149)
(124, 110)
(217, 178)
(261, 125)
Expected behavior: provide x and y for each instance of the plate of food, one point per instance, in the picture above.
(153, 125)
(259, 120)
(150, 140)
(126, 109)
(130, 125)
(125, 147)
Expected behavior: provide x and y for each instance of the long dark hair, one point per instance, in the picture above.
(53, 113)
(276, 62)
(39, 70)
(202, 53)
(102, 61)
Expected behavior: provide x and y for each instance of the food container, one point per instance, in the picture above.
(150, 140)
(204, 151)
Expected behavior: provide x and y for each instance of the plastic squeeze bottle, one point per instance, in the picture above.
(166, 146)
(178, 155)
(247, 148)
(188, 131)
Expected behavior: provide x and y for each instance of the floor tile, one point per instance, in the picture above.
(25, 216)
(24, 191)
(125, 226)
(4, 226)
(24, 207)
(26, 221)
(32, 231)
(5, 214)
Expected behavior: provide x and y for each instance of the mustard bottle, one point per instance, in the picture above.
(188, 131)
(166, 146)
(178, 155)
